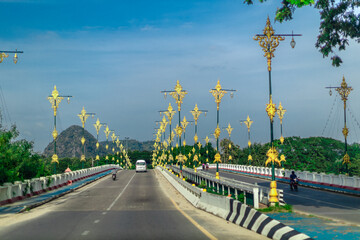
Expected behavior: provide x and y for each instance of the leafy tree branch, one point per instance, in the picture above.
(339, 23)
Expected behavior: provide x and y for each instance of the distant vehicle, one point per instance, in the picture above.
(140, 166)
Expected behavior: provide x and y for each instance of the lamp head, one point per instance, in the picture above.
(292, 43)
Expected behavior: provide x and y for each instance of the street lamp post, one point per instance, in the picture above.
(248, 123)
(218, 94)
(121, 154)
(169, 113)
(196, 114)
(107, 132)
(229, 130)
(83, 116)
(3, 54)
(117, 152)
(178, 94)
(184, 124)
(207, 148)
(55, 100)
(113, 138)
(344, 91)
(198, 155)
(163, 124)
(97, 126)
(281, 112)
(268, 41)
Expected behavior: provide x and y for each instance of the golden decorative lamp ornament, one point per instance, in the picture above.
(55, 100)
(269, 41)
(344, 91)
(218, 93)
(83, 117)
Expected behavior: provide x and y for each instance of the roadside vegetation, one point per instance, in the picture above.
(313, 154)
(19, 161)
(277, 208)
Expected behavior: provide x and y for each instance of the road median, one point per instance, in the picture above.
(233, 211)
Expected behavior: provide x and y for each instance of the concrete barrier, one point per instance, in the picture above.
(192, 194)
(215, 204)
(10, 193)
(234, 211)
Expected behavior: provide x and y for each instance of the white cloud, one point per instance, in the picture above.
(148, 28)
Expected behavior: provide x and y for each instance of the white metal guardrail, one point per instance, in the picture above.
(312, 178)
(253, 193)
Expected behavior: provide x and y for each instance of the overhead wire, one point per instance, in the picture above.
(334, 122)
(327, 121)
(353, 122)
(5, 111)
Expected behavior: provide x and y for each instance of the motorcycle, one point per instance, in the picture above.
(294, 184)
(114, 176)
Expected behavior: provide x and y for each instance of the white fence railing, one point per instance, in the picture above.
(339, 181)
(19, 190)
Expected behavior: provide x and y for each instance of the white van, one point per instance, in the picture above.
(141, 166)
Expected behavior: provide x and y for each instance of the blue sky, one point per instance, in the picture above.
(115, 57)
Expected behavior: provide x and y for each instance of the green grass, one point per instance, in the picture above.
(202, 184)
(277, 208)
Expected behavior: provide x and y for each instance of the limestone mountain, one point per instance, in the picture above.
(68, 144)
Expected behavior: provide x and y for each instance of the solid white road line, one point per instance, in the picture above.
(112, 204)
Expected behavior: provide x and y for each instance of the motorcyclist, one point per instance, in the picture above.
(293, 177)
(293, 181)
(114, 171)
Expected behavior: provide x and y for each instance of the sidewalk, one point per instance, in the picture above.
(38, 200)
(317, 228)
(314, 226)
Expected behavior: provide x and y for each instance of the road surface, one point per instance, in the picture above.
(135, 206)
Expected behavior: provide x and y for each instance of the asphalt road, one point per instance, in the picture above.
(132, 207)
(313, 201)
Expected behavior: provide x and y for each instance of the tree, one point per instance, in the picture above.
(339, 23)
(17, 159)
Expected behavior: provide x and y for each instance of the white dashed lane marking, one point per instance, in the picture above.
(112, 204)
